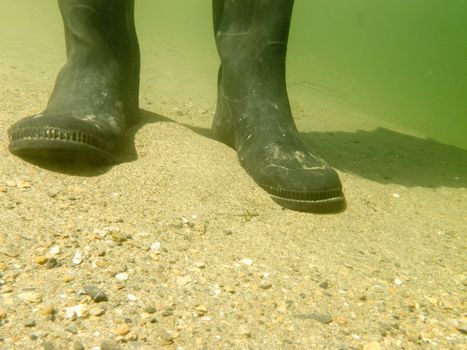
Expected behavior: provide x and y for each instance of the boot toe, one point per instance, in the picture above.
(61, 138)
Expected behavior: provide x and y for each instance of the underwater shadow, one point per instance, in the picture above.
(386, 156)
(127, 152)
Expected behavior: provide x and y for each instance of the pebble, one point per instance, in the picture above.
(200, 265)
(47, 310)
(109, 345)
(97, 312)
(324, 285)
(265, 285)
(132, 297)
(49, 346)
(122, 276)
(72, 329)
(41, 260)
(68, 278)
(3, 314)
(78, 346)
(77, 258)
(322, 318)
(29, 323)
(79, 311)
(398, 281)
(201, 309)
(119, 237)
(31, 297)
(51, 263)
(122, 330)
(166, 337)
(96, 294)
(150, 309)
(3, 189)
(155, 246)
(244, 331)
(246, 262)
(55, 250)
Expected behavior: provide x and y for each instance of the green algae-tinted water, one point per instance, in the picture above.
(399, 61)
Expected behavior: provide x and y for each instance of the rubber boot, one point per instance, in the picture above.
(253, 113)
(95, 97)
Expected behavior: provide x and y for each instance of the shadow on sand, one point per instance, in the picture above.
(380, 155)
(388, 157)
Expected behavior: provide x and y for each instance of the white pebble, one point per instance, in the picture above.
(78, 310)
(398, 281)
(122, 276)
(132, 297)
(247, 262)
(55, 250)
(396, 195)
(266, 274)
(77, 258)
(155, 246)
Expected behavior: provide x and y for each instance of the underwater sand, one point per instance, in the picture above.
(193, 255)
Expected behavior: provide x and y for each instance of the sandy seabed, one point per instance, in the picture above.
(183, 250)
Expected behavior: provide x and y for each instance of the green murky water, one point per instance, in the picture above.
(399, 61)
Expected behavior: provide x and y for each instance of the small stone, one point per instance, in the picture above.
(183, 280)
(77, 258)
(31, 297)
(96, 294)
(150, 309)
(55, 250)
(398, 281)
(3, 266)
(78, 346)
(41, 260)
(166, 337)
(24, 184)
(10, 183)
(119, 237)
(374, 345)
(132, 297)
(49, 346)
(324, 285)
(3, 314)
(168, 311)
(155, 246)
(122, 330)
(200, 265)
(51, 263)
(228, 231)
(29, 323)
(322, 318)
(109, 345)
(47, 311)
(68, 278)
(72, 329)
(265, 285)
(201, 309)
(246, 261)
(97, 312)
(244, 331)
(76, 311)
(3, 189)
(122, 276)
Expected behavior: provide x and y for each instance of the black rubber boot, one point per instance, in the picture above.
(95, 97)
(253, 112)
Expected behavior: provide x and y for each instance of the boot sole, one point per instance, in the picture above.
(323, 206)
(61, 151)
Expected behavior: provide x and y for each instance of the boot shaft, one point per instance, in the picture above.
(251, 38)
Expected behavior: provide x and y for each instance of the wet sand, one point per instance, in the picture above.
(191, 254)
